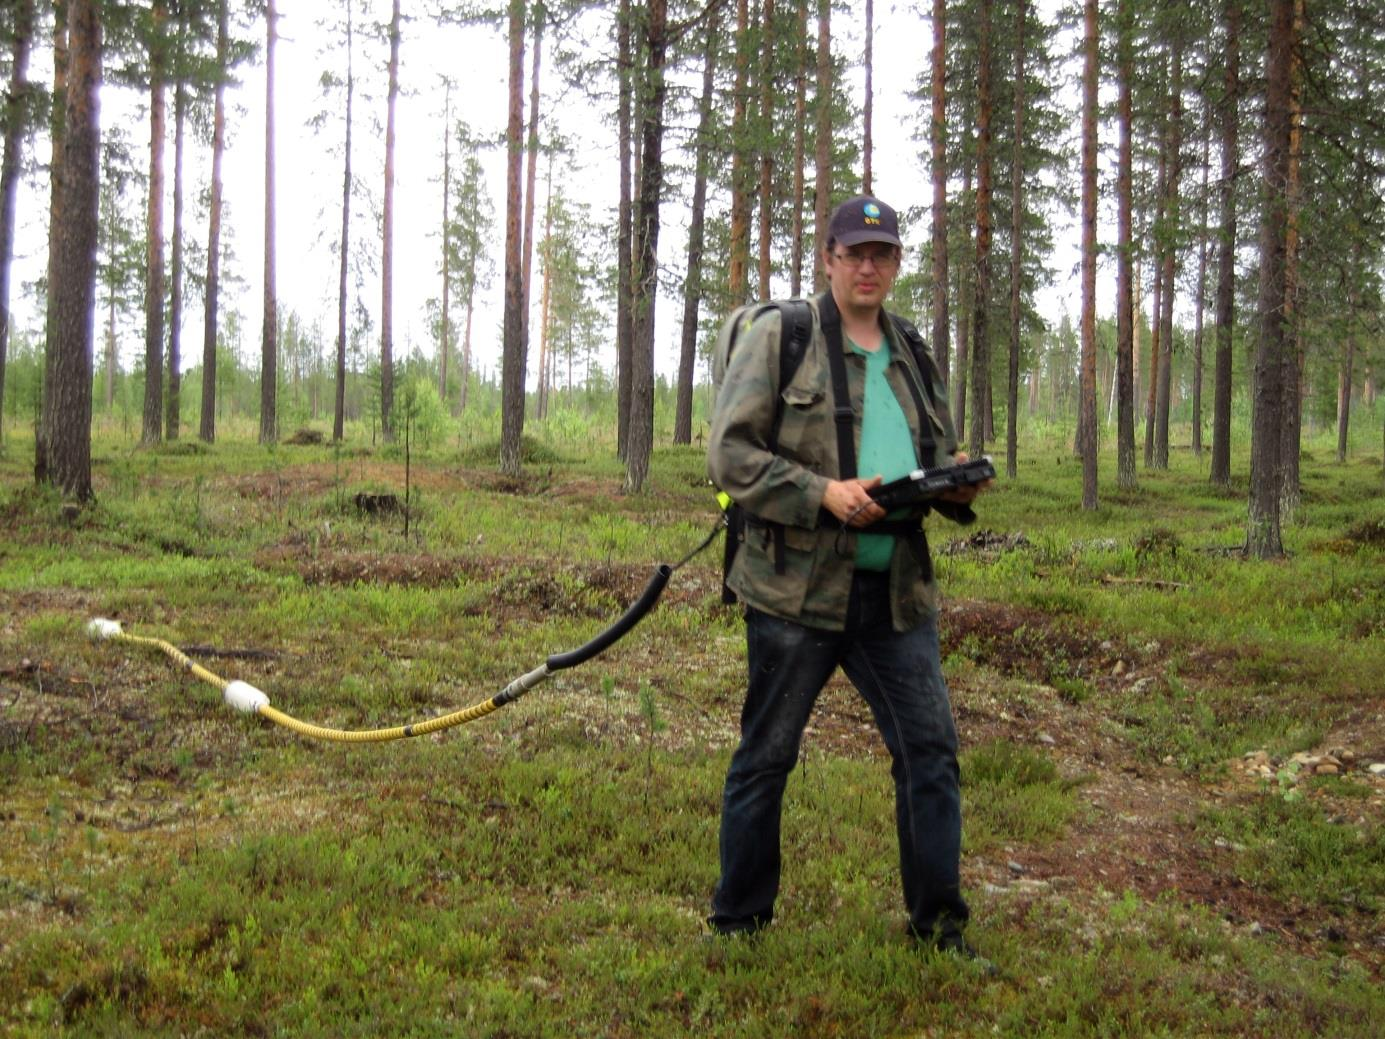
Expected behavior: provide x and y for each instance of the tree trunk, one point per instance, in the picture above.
(444, 311)
(937, 135)
(980, 346)
(964, 313)
(1156, 326)
(1291, 425)
(625, 328)
(1200, 299)
(15, 99)
(767, 145)
(692, 285)
(868, 108)
(66, 419)
(1087, 394)
(1012, 385)
(531, 176)
(339, 408)
(1226, 252)
(154, 238)
(512, 376)
(211, 300)
(822, 144)
(387, 243)
(466, 345)
(740, 142)
(646, 287)
(1125, 286)
(1173, 222)
(269, 328)
(545, 301)
(175, 310)
(1263, 537)
(57, 129)
(1345, 377)
(800, 111)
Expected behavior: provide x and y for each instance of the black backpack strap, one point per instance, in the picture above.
(842, 414)
(923, 362)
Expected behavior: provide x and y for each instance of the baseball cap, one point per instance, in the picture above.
(864, 219)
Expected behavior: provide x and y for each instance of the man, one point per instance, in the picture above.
(827, 580)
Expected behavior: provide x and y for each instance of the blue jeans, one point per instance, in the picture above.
(899, 675)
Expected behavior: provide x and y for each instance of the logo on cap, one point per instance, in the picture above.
(871, 209)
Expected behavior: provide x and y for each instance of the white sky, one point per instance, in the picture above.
(309, 177)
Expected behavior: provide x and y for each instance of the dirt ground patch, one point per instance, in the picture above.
(1137, 831)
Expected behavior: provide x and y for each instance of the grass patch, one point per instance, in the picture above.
(1292, 848)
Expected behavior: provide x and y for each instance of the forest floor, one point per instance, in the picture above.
(1201, 778)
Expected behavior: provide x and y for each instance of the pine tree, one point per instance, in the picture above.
(14, 126)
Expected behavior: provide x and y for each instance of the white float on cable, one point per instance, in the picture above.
(244, 697)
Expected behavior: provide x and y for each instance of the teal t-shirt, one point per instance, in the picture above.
(887, 448)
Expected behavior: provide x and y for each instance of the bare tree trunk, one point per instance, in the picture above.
(57, 131)
(466, 346)
(175, 310)
(444, 311)
(1125, 286)
(1263, 535)
(625, 324)
(339, 407)
(980, 347)
(868, 108)
(16, 98)
(531, 174)
(937, 135)
(1226, 253)
(1173, 218)
(513, 360)
(66, 420)
(767, 147)
(545, 300)
(692, 286)
(1291, 425)
(822, 144)
(387, 243)
(154, 238)
(269, 329)
(800, 110)
(1087, 395)
(1156, 327)
(964, 313)
(740, 138)
(1200, 300)
(1012, 385)
(211, 299)
(646, 287)
(1345, 378)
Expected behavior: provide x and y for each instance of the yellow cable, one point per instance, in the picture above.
(516, 689)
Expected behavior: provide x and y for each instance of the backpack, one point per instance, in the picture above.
(795, 333)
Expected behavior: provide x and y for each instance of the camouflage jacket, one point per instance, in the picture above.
(787, 486)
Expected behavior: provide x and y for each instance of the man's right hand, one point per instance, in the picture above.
(845, 500)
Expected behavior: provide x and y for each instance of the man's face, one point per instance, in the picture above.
(861, 275)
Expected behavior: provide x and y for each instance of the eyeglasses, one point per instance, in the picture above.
(884, 261)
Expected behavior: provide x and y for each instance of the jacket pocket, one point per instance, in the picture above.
(754, 576)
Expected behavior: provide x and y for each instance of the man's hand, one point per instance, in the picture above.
(845, 500)
(964, 495)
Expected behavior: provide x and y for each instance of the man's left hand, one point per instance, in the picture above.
(964, 495)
